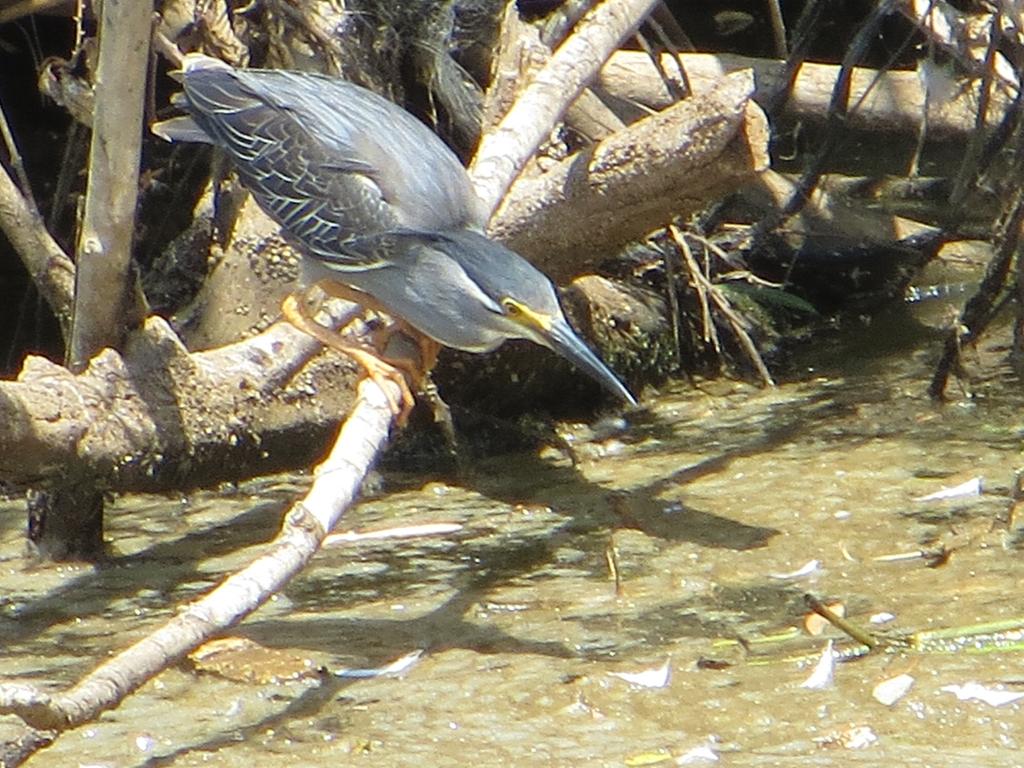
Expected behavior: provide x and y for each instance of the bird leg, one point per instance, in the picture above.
(428, 348)
(376, 368)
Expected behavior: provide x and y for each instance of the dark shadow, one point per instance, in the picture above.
(702, 528)
(725, 611)
(443, 627)
(306, 704)
(99, 587)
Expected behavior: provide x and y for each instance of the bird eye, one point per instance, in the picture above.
(511, 307)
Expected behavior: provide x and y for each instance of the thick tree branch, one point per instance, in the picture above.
(885, 101)
(504, 152)
(159, 417)
(619, 190)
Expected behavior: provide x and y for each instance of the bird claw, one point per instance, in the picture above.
(380, 370)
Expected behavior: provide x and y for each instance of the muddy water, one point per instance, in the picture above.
(713, 503)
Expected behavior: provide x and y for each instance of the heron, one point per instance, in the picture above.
(382, 212)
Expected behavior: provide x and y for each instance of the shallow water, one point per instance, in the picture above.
(711, 502)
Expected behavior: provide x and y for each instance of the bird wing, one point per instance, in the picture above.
(391, 248)
(326, 159)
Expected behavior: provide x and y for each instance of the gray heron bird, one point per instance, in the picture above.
(380, 208)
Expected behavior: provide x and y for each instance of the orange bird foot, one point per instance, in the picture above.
(379, 369)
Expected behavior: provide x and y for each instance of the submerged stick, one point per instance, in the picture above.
(862, 636)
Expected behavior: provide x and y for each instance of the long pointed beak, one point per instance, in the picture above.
(563, 340)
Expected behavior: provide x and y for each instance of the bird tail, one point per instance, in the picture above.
(182, 128)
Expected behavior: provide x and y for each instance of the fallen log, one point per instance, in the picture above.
(885, 101)
(157, 417)
(635, 181)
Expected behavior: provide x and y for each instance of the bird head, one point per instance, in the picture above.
(529, 306)
(544, 323)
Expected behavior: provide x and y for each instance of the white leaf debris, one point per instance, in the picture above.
(658, 677)
(971, 488)
(394, 668)
(804, 570)
(890, 691)
(704, 753)
(972, 691)
(822, 675)
(401, 532)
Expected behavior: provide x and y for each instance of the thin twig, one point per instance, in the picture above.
(562, 20)
(778, 29)
(671, 48)
(677, 89)
(16, 163)
(166, 48)
(837, 621)
(672, 288)
(21, 8)
(336, 485)
(966, 175)
(700, 286)
(735, 321)
(51, 269)
(981, 307)
(838, 109)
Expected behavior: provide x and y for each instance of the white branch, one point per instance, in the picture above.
(880, 101)
(107, 302)
(504, 152)
(335, 486)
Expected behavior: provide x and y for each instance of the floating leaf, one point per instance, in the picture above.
(970, 488)
(821, 677)
(804, 570)
(657, 677)
(396, 667)
(994, 697)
